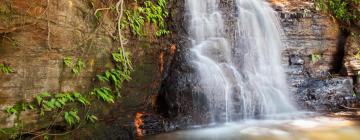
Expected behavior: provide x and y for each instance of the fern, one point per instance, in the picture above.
(120, 73)
(75, 68)
(162, 32)
(104, 94)
(71, 117)
(154, 13)
(81, 99)
(68, 61)
(135, 21)
(18, 108)
(80, 65)
(11, 110)
(46, 102)
(91, 118)
(5, 69)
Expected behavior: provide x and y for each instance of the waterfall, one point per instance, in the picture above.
(242, 77)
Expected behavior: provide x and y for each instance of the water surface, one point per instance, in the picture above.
(333, 127)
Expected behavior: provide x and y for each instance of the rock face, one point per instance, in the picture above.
(326, 95)
(181, 98)
(352, 55)
(175, 99)
(314, 52)
(35, 38)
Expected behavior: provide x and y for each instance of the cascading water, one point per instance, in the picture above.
(241, 77)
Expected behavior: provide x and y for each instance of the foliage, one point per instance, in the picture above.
(119, 74)
(68, 61)
(6, 69)
(77, 67)
(315, 58)
(104, 94)
(154, 13)
(45, 102)
(135, 22)
(18, 108)
(12, 132)
(91, 118)
(345, 11)
(56, 103)
(71, 117)
(357, 55)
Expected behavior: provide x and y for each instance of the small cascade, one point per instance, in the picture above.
(241, 78)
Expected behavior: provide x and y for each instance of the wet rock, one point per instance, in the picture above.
(113, 131)
(327, 95)
(179, 91)
(152, 124)
(296, 60)
(295, 70)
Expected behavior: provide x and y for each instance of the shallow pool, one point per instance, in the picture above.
(330, 127)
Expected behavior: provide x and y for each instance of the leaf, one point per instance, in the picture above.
(78, 67)
(45, 94)
(58, 104)
(30, 106)
(46, 137)
(77, 95)
(68, 61)
(69, 120)
(74, 115)
(102, 78)
(98, 14)
(81, 98)
(38, 99)
(60, 95)
(69, 97)
(103, 94)
(11, 110)
(91, 118)
(315, 57)
(5, 69)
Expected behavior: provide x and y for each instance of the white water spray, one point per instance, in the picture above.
(245, 78)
